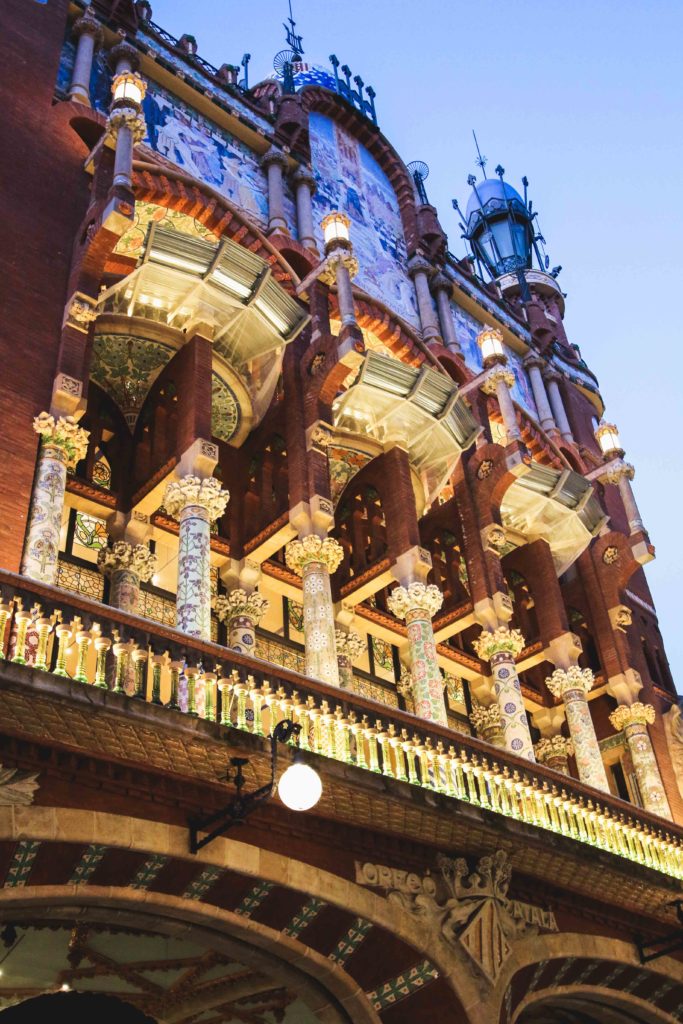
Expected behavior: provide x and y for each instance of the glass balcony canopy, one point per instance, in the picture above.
(558, 506)
(186, 281)
(417, 408)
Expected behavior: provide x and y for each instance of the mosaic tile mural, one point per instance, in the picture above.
(131, 243)
(467, 328)
(343, 464)
(126, 367)
(350, 179)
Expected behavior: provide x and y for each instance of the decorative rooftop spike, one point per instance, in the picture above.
(354, 96)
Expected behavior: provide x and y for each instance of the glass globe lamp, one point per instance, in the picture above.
(490, 341)
(608, 438)
(300, 787)
(336, 229)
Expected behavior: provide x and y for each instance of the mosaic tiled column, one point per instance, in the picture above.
(89, 33)
(417, 603)
(195, 504)
(349, 647)
(500, 647)
(498, 382)
(572, 685)
(241, 612)
(63, 444)
(314, 559)
(488, 724)
(127, 565)
(633, 721)
(554, 752)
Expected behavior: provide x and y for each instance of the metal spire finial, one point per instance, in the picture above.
(481, 161)
(293, 39)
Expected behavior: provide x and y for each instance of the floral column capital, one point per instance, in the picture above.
(136, 558)
(633, 714)
(300, 553)
(416, 596)
(350, 645)
(498, 641)
(563, 681)
(63, 433)
(192, 490)
(553, 748)
(498, 375)
(238, 602)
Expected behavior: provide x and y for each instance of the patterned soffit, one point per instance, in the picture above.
(130, 244)
(126, 367)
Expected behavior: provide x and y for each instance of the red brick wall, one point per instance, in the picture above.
(42, 201)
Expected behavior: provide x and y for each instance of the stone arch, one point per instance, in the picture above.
(189, 892)
(584, 1004)
(569, 962)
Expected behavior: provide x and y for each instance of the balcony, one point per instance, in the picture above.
(76, 642)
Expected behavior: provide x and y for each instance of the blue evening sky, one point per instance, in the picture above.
(585, 99)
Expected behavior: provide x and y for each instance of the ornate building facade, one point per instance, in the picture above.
(284, 474)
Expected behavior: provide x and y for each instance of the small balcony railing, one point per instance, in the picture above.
(71, 636)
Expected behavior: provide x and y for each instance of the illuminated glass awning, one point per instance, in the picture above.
(558, 506)
(182, 281)
(418, 408)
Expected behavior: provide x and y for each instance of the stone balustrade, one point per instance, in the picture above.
(86, 643)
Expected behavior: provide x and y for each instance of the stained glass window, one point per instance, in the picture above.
(101, 471)
(90, 531)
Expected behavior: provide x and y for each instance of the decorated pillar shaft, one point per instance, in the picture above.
(89, 32)
(241, 612)
(498, 382)
(195, 503)
(417, 603)
(126, 124)
(314, 559)
(63, 444)
(349, 647)
(500, 648)
(126, 565)
(633, 721)
(572, 685)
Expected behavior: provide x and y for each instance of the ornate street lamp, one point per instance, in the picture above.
(607, 437)
(299, 789)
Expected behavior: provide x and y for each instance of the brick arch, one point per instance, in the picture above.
(323, 101)
(346, 943)
(571, 960)
(177, 191)
(589, 1003)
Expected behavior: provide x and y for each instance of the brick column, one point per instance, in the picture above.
(442, 288)
(62, 444)
(89, 33)
(417, 603)
(554, 752)
(241, 611)
(572, 684)
(304, 188)
(274, 161)
(127, 565)
(633, 721)
(500, 647)
(498, 382)
(195, 503)
(421, 270)
(349, 647)
(314, 559)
